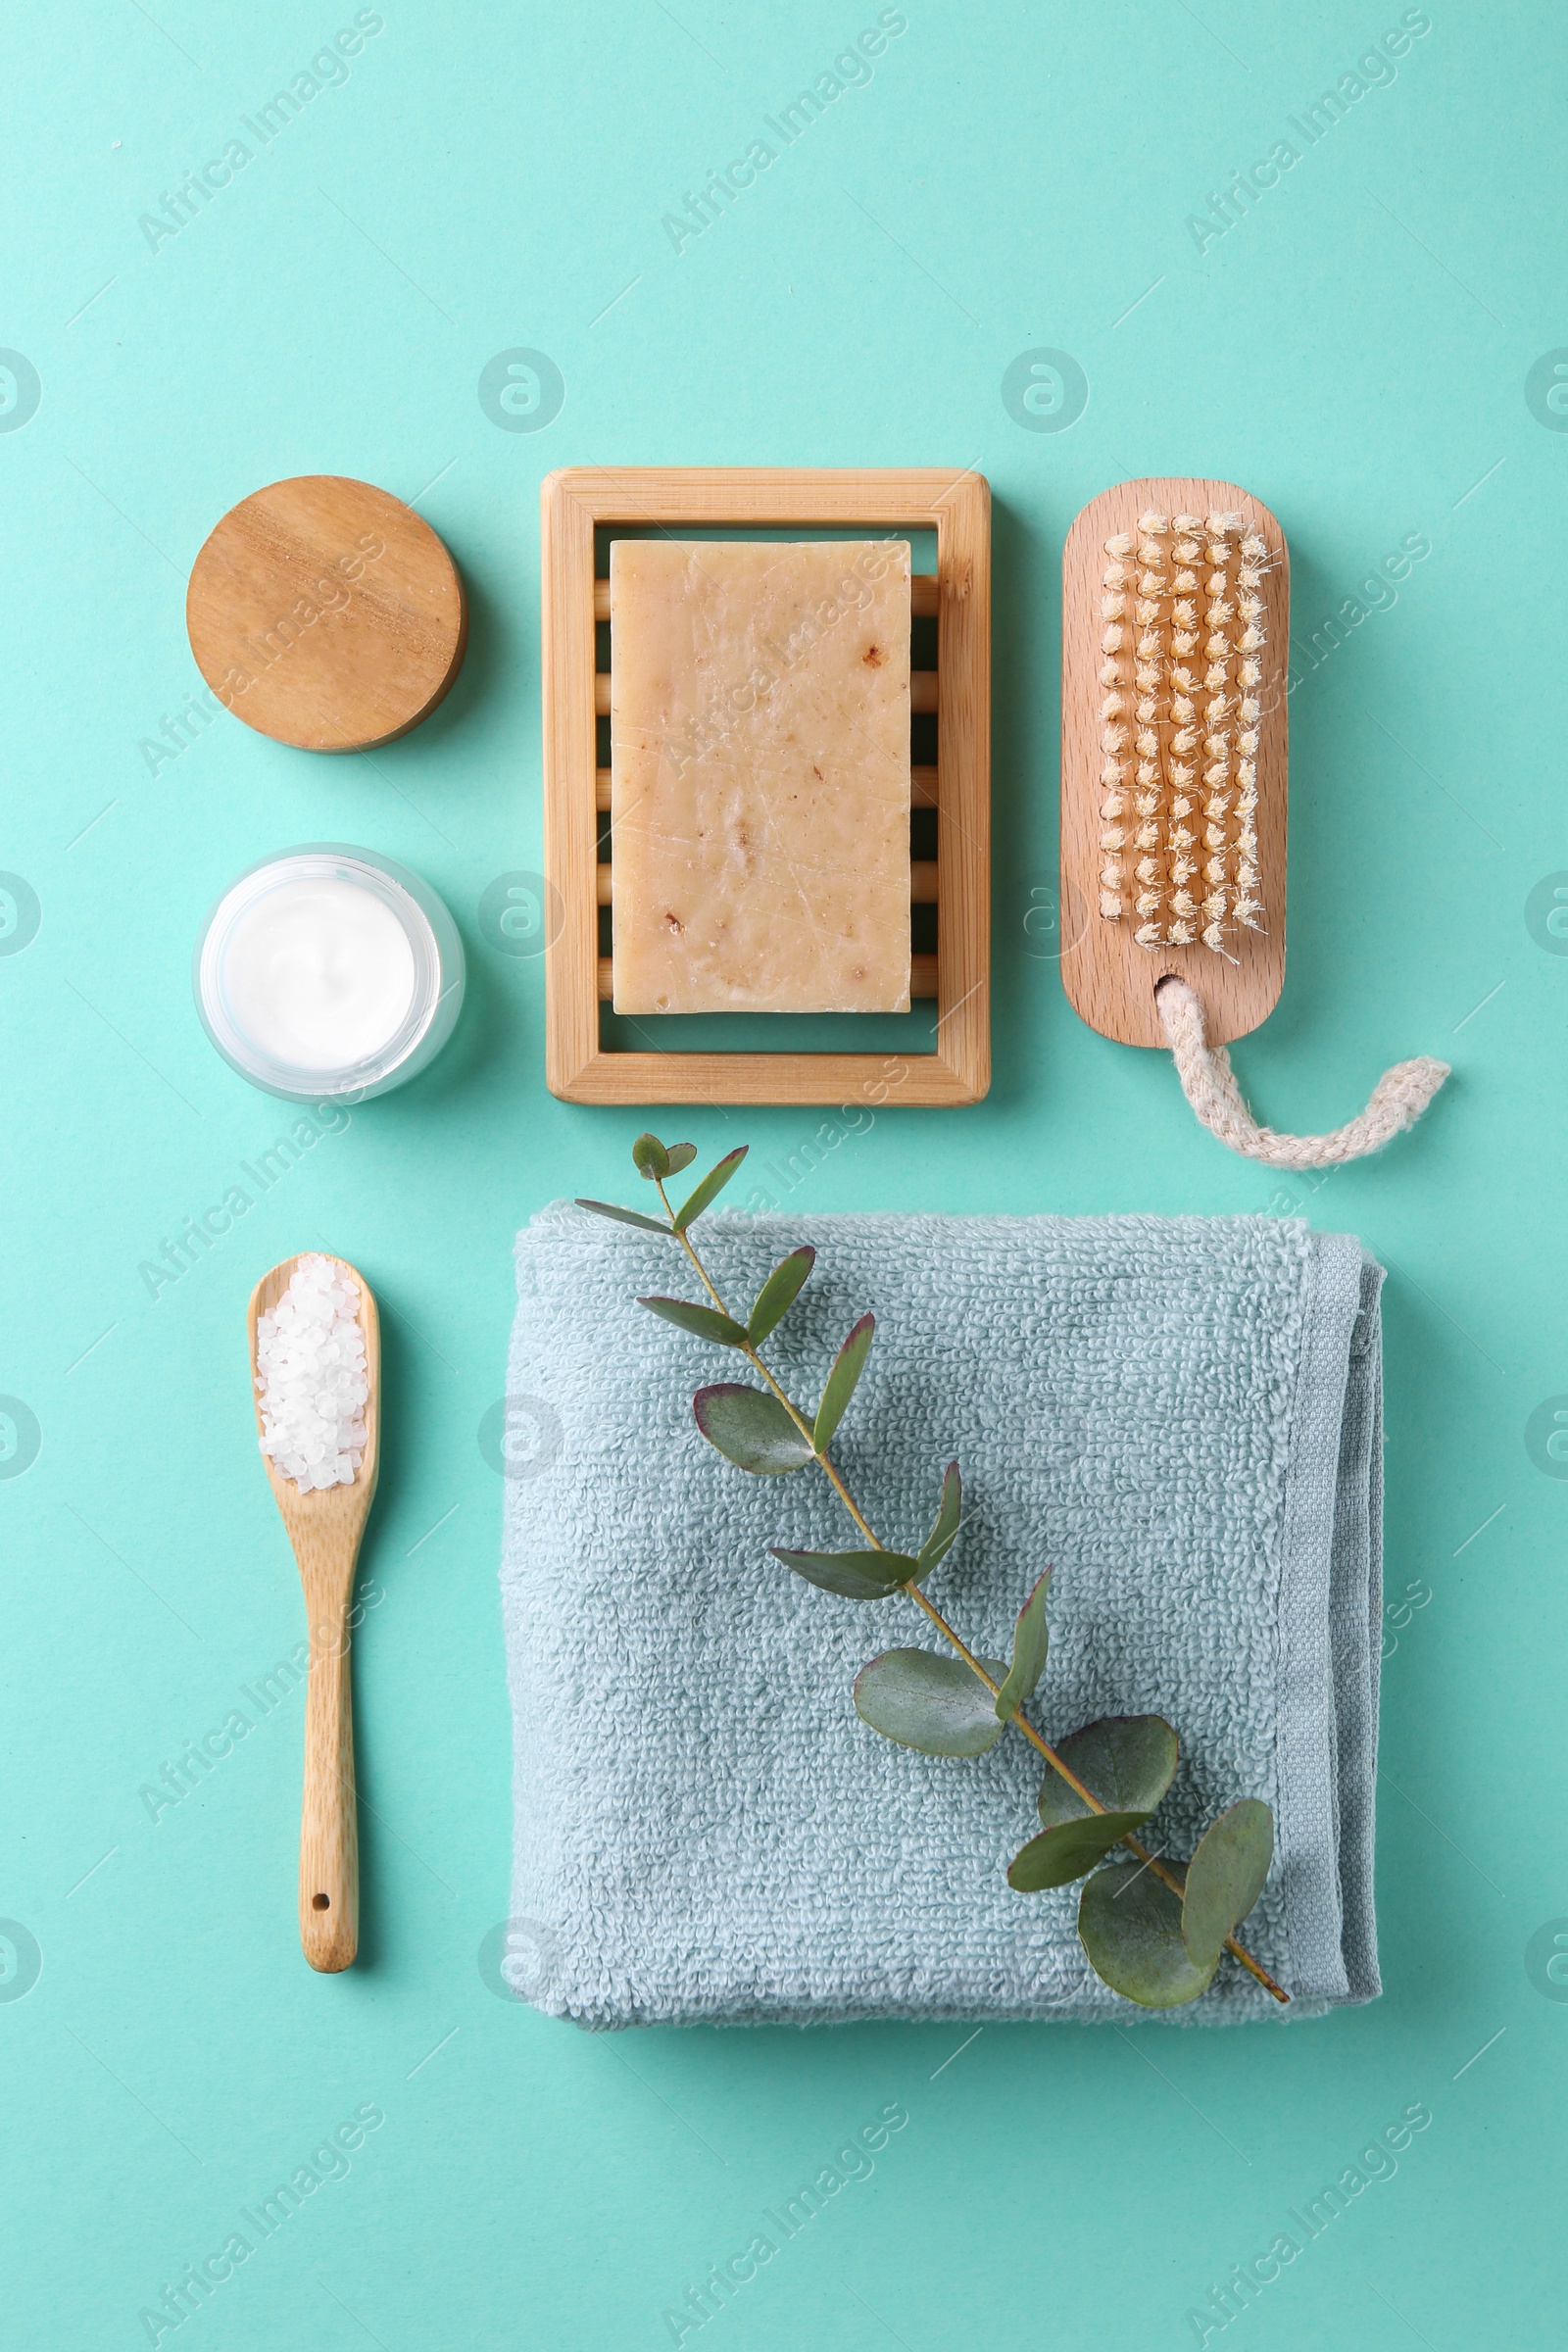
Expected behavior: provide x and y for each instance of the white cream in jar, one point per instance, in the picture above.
(327, 971)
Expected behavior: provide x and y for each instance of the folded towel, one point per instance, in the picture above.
(1182, 1415)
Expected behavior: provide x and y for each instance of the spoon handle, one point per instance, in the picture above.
(330, 1836)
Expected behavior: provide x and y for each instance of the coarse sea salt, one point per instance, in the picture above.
(311, 1378)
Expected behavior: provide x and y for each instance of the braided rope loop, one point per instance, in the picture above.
(1209, 1082)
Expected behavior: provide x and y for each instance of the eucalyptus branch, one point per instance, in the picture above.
(1019, 1721)
(1156, 1951)
(798, 1419)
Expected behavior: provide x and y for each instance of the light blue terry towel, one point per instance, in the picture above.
(1182, 1415)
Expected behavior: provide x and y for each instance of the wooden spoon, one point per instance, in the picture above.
(325, 1528)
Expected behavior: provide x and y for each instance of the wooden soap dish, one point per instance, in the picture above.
(575, 606)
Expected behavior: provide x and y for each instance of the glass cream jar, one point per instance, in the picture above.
(327, 972)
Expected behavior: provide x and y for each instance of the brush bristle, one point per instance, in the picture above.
(1182, 626)
(1114, 765)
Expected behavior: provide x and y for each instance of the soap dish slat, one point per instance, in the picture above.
(954, 982)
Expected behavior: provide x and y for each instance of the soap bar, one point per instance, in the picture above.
(760, 775)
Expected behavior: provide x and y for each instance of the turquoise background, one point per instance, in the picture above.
(1355, 350)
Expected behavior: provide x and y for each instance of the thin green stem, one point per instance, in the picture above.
(799, 1418)
(1018, 1720)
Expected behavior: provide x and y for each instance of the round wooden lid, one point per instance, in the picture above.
(326, 613)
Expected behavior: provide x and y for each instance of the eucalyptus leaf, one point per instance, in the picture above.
(711, 1186)
(1030, 1640)
(857, 1575)
(939, 1543)
(1130, 1925)
(779, 1293)
(1059, 1856)
(1225, 1878)
(848, 1365)
(1126, 1760)
(625, 1216)
(749, 1429)
(649, 1158)
(680, 1156)
(930, 1703)
(704, 1321)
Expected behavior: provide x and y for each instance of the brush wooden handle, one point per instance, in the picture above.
(330, 1836)
(1110, 979)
